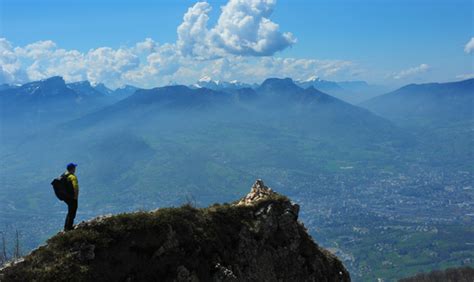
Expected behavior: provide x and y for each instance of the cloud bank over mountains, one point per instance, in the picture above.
(149, 64)
(241, 45)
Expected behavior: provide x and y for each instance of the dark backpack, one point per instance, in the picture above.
(63, 188)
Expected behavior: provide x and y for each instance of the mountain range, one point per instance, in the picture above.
(350, 91)
(86, 88)
(283, 101)
(167, 145)
(33, 106)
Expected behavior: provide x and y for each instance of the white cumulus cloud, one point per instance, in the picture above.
(149, 64)
(44, 59)
(11, 70)
(108, 65)
(243, 29)
(469, 47)
(146, 46)
(193, 35)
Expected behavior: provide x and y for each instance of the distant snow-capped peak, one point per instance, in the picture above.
(205, 78)
(312, 78)
(208, 82)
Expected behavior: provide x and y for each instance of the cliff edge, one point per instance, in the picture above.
(257, 238)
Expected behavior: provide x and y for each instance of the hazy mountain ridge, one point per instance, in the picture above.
(51, 96)
(282, 100)
(36, 106)
(350, 91)
(56, 87)
(85, 88)
(430, 102)
(438, 113)
(46, 103)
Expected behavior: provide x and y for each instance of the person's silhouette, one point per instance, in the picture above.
(71, 203)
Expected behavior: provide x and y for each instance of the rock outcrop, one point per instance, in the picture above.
(257, 238)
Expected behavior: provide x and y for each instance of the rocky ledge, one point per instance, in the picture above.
(257, 238)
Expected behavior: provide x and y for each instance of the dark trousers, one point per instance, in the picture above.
(71, 214)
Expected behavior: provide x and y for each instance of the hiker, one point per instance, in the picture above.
(71, 202)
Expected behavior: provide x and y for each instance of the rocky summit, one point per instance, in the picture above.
(257, 238)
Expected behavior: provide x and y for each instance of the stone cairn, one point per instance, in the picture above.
(258, 192)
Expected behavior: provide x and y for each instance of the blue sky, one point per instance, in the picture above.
(384, 41)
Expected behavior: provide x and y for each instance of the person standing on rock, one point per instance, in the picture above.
(72, 202)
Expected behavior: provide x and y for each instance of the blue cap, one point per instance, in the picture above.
(71, 165)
